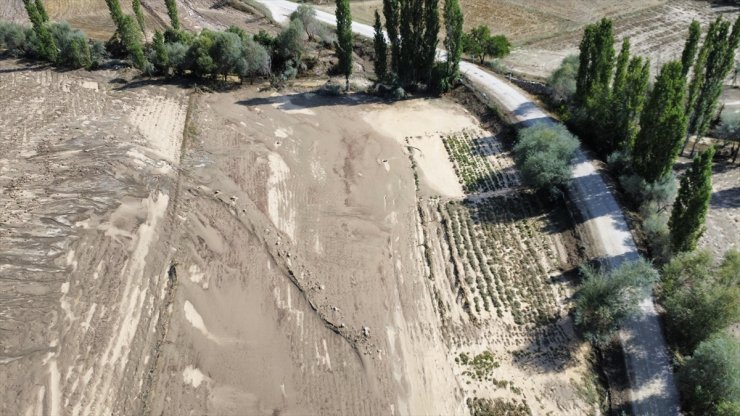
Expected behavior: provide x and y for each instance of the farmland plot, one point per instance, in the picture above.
(496, 260)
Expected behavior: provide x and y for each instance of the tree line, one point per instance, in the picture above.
(641, 130)
(406, 52)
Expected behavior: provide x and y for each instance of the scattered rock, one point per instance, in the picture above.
(365, 331)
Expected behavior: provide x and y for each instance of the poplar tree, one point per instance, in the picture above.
(453, 18)
(430, 39)
(596, 60)
(411, 28)
(42, 11)
(162, 62)
(662, 125)
(720, 58)
(620, 76)
(691, 47)
(381, 50)
(690, 208)
(128, 33)
(632, 97)
(391, 13)
(47, 48)
(172, 12)
(136, 6)
(344, 39)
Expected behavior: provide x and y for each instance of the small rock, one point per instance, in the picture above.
(365, 331)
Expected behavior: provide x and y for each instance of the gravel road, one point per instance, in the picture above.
(653, 390)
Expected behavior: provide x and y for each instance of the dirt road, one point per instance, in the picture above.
(653, 389)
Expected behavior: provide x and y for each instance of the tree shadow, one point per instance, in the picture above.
(726, 199)
(310, 100)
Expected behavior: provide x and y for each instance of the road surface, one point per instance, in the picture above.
(652, 387)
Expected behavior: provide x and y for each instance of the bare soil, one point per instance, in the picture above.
(166, 251)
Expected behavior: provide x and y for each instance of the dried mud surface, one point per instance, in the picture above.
(165, 251)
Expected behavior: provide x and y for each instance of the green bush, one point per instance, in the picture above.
(605, 300)
(74, 49)
(544, 153)
(562, 82)
(710, 380)
(700, 298)
(14, 38)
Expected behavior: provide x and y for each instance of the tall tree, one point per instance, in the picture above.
(172, 12)
(720, 57)
(662, 125)
(345, 42)
(623, 60)
(391, 13)
(691, 47)
(596, 60)
(411, 29)
(42, 11)
(430, 40)
(629, 102)
(48, 49)
(136, 6)
(381, 50)
(162, 59)
(116, 13)
(453, 18)
(690, 208)
(128, 33)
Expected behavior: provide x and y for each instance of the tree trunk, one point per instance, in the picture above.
(346, 78)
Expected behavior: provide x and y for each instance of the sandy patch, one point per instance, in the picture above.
(279, 196)
(130, 309)
(193, 376)
(192, 315)
(421, 126)
(161, 121)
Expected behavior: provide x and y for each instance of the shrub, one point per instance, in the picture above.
(14, 38)
(661, 192)
(710, 379)
(74, 50)
(655, 227)
(605, 300)
(256, 60)
(562, 82)
(264, 38)
(288, 47)
(700, 298)
(544, 153)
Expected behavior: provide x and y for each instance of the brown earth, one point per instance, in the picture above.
(166, 251)
(93, 18)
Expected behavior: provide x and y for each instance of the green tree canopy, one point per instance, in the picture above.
(691, 47)
(481, 44)
(381, 50)
(453, 42)
(700, 298)
(710, 380)
(172, 13)
(606, 299)
(345, 40)
(691, 205)
(543, 154)
(662, 125)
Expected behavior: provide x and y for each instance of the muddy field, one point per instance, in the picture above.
(266, 252)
